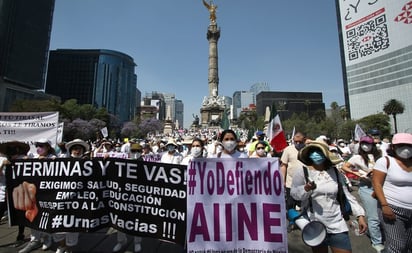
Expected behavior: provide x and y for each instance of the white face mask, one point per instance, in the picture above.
(229, 145)
(196, 151)
(366, 147)
(404, 152)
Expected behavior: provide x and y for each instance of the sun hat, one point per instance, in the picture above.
(366, 139)
(402, 138)
(79, 142)
(187, 140)
(304, 153)
(42, 141)
(20, 147)
(136, 146)
(171, 141)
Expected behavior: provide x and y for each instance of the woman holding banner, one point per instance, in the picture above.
(196, 151)
(228, 140)
(12, 150)
(44, 151)
(76, 149)
(318, 188)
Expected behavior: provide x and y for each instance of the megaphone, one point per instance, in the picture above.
(313, 232)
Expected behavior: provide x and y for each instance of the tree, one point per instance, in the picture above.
(394, 107)
(129, 129)
(376, 121)
(150, 126)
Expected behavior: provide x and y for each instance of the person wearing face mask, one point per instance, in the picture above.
(136, 151)
(260, 150)
(289, 164)
(260, 136)
(67, 240)
(228, 142)
(196, 151)
(362, 165)
(121, 238)
(171, 155)
(38, 238)
(392, 184)
(318, 192)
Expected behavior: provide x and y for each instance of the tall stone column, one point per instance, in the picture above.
(213, 106)
(213, 34)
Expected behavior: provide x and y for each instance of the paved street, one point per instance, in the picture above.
(104, 240)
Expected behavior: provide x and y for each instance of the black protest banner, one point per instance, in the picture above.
(73, 195)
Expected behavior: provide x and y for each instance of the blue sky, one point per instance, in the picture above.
(292, 45)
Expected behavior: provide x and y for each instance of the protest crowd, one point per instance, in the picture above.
(317, 175)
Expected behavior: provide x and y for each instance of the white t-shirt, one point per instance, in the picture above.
(359, 163)
(398, 183)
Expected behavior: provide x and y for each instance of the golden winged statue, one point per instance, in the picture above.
(212, 10)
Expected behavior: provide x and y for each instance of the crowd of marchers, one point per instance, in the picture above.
(316, 172)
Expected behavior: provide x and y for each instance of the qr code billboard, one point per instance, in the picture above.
(367, 36)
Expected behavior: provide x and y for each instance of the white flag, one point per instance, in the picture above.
(104, 132)
(359, 133)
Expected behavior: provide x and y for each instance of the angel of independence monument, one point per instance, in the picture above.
(213, 106)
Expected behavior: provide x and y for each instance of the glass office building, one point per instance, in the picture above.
(25, 28)
(103, 78)
(376, 48)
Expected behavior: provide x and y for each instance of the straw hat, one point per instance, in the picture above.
(304, 153)
(187, 140)
(79, 142)
(171, 142)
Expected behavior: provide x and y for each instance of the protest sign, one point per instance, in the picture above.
(235, 205)
(152, 157)
(29, 127)
(80, 195)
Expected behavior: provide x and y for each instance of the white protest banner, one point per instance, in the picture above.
(359, 133)
(104, 132)
(113, 155)
(235, 205)
(60, 128)
(28, 127)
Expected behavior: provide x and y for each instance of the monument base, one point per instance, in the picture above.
(211, 116)
(168, 127)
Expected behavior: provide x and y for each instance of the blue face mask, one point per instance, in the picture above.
(299, 146)
(317, 157)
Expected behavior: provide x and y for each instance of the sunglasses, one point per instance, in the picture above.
(260, 148)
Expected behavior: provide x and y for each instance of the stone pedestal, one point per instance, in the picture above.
(168, 127)
(212, 112)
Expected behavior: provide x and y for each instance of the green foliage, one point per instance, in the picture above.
(378, 121)
(250, 121)
(394, 107)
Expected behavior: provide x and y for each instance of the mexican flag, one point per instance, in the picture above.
(275, 132)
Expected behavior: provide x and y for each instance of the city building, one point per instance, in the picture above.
(376, 53)
(288, 103)
(257, 88)
(103, 78)
(179, 113)
(153, 106)
(242, 100)
(25, 28)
